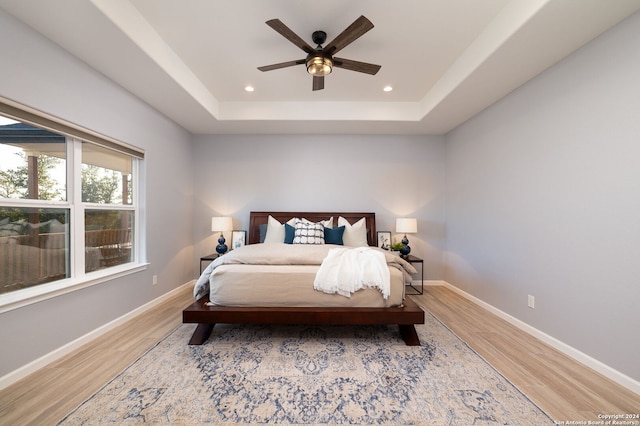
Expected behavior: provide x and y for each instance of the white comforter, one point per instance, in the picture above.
(346, 270)
(286, 254)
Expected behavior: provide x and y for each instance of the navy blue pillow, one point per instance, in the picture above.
(263, 232)
(289, 233)
(334, 235)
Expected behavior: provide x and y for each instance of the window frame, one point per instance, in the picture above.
(75, 137)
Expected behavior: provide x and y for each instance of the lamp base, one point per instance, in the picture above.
(221, 248)
(404, 251)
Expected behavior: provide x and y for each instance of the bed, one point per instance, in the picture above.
(356, 310)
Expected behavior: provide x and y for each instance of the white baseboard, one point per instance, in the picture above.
(581, 357)
(33, 366)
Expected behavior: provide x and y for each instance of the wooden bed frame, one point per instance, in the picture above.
(207, 316)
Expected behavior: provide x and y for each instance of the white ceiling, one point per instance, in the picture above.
(446, 59)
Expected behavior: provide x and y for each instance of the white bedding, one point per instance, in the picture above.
(277, 274)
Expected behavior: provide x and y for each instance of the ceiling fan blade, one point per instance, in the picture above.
(281, 65)
(318, 82)
(287, 33)
(349, 35)
(349, 64)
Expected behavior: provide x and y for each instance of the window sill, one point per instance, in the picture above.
(30, 295)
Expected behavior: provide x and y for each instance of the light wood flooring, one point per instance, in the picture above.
(565, 389)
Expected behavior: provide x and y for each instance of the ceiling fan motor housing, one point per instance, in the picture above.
(319, 37)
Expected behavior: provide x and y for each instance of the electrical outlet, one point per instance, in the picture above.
(531, 301)
(155, 279)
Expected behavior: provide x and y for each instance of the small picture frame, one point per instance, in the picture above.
(238, 239)
(384, 240)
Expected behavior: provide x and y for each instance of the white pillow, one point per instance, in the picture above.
(326, 223)
(275, 230)
(354, 235)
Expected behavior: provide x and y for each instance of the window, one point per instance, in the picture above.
(68, 204)
(34, 247)
(109, 213)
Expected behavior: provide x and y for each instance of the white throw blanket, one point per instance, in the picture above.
(347, 270)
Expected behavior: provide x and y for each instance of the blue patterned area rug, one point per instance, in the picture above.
(310, 375)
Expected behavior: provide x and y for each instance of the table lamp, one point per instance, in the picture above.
(221, 223)
(406, 225)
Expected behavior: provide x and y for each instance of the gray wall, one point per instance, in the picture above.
(543, 198)
(391, 175)
(38, 74)
(542, 194)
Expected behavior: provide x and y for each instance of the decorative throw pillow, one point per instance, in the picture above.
(289, 233)
(263, 231)
(333, 235)
(354, 235)
(308, 233)
(275, 230)
(326, 223)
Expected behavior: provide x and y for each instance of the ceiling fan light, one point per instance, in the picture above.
(319, 65)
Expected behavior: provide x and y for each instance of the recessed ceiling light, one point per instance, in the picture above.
(249, 88)
(388, 88)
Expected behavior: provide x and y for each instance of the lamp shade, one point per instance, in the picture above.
(221, 223)
(406, 225)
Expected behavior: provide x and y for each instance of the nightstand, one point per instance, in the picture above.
(413, 260)
(208, 258)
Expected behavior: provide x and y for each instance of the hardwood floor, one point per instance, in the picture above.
(47, 395)
(565, 389)
(562, 387)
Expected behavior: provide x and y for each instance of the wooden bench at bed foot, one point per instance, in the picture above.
(207, 316)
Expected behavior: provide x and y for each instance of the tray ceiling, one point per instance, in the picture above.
(445, 59)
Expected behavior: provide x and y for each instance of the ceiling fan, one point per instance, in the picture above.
(320, 61)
